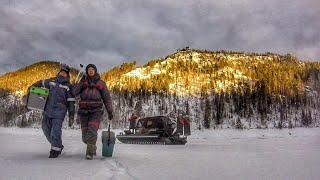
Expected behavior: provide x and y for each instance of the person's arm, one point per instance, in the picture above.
(71, 105)
(76, 90)
(42, 83)
(106, 97)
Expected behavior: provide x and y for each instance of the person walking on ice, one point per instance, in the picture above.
(60, 100)
(93, 95)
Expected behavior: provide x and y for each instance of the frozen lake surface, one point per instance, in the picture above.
(215, 154)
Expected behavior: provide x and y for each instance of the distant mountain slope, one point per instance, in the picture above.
(191, 72)
(17, 82)
(194, 71)
(112, 75)
(228, 89)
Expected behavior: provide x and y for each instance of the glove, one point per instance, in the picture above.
(71, 120)
(110, 116)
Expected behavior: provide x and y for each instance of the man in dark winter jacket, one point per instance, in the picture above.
(59, 101)
(93, 95)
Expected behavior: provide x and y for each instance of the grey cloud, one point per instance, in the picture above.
(110, 32)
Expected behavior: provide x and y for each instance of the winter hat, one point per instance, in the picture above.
(93, 66)
(65, 68)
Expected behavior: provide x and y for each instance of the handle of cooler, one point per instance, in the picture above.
(39, 91)
(109, 134)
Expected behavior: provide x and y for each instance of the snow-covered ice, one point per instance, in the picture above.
(213, 154)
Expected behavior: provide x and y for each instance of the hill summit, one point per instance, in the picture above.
(194, 72)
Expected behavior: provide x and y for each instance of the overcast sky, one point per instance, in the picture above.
(109, 32)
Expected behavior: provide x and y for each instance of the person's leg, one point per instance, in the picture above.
(134, 126)
(84, 127)
(92, 133)
(93, 126)
(55, 136)
(56, 133)
(46, 127)
(131, 126)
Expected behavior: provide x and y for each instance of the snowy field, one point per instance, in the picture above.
(216, 154)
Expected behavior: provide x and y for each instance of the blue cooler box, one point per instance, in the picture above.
(108, 141)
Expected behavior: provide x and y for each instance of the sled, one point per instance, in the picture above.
(157, 130)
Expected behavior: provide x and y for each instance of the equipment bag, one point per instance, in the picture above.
(37, 98)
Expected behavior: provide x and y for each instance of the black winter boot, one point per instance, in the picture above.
(54, 154)
(61, 149)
